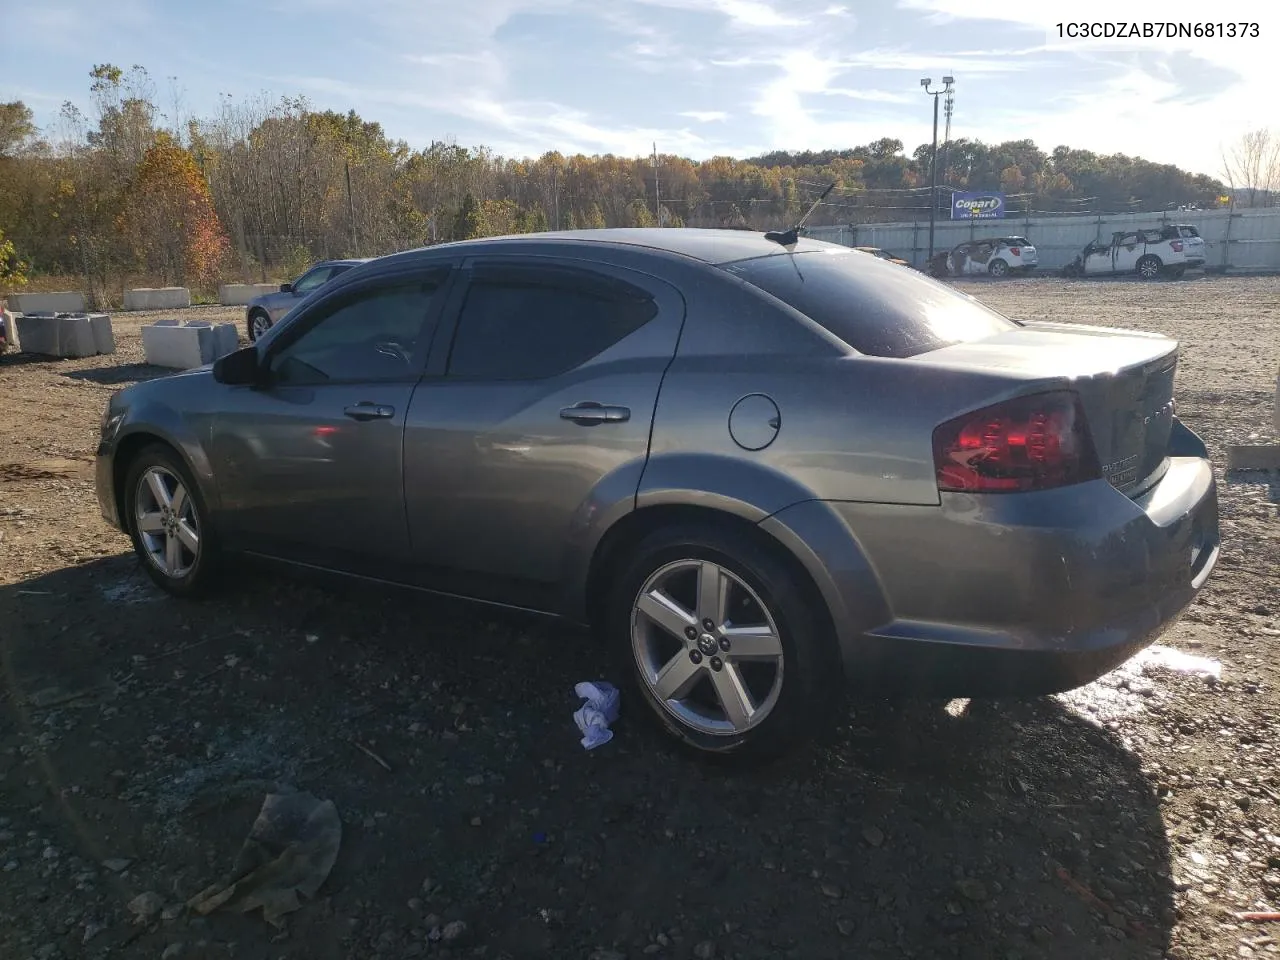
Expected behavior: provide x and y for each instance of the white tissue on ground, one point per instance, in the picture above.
(600, 708)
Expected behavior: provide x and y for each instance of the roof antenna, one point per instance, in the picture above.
(789, 238)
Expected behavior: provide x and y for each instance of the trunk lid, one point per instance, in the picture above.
(1124, 379)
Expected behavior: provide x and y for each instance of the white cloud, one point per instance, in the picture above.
(1139, 110)
(706, 116)
(750, 14)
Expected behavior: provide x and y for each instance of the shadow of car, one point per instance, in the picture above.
(989, 831)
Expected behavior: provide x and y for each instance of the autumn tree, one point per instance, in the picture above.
(17, 126)
(168, 217)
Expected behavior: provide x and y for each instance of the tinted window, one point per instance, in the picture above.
(312, 279)
(876, 308)
(526, 324)
(373, 334)
(1189, 231)
(1128, 240)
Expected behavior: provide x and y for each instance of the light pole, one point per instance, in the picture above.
(933, 155)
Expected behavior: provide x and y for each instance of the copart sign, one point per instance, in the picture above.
(977, 206)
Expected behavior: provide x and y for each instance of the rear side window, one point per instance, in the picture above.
(523, 323)
(877, 308)
(1189, 231)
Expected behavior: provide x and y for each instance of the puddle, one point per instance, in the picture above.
(1123, 691)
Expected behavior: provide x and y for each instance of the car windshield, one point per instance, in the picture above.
(877, 308)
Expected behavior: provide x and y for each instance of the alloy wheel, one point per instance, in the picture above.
(707, 647)
(167, 523)
(259, 325)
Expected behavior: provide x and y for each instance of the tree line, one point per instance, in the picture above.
(129, 190)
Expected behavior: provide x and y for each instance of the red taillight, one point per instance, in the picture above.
(1029, 443)
(1016, 251)
(1175, 246)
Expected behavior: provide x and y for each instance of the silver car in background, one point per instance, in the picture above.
(761, 472)
(264, 311)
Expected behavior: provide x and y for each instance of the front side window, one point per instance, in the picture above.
(873, 306)
(312, 279)
(371, 334)
(523, 323)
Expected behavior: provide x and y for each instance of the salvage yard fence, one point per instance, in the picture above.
(1236, 241)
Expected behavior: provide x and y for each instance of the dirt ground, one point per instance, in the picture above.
(140, 735)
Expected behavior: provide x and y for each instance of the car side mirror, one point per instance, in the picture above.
(286, 288)
(243, 368)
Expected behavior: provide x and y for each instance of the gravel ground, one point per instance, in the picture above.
(1133, 818)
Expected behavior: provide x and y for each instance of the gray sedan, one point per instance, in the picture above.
(762, 473)
(269, 308)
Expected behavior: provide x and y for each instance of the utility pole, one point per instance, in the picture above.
(933, 155)
(657, 203)
(948, 105)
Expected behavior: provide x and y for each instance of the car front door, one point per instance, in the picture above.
(540, 419)
(309, 282)
(1098, 258)
(309, 464)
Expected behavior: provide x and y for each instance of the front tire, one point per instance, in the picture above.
(720, 640)
(258, 323)
(998, 268)
(168, 523)
(1149, 267)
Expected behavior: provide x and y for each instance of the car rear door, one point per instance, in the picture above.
(309, 466)
(1127, 252)
(537, 420)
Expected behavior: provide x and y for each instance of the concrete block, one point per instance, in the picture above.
(66, 302)
(170, 343)
(38, 333)
(239, 294)
(104, 339)
(1262, 456)
(157, 298)
(70, 335)
(75, 336)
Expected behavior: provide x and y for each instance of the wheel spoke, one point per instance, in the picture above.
(713, 593)
(666, 613)
(188, 537)
(676, 678)
(753, 643)
(172, 555)
(151, 523)
(733, 696)
(179, 499)
(155, 482)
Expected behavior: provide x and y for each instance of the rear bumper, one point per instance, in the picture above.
(1020, 595)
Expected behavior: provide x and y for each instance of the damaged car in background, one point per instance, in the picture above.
(763, 469)
(1168, 251)
(990, 256)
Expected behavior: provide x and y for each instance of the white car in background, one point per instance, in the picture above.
(995, 256)
(1168, 251)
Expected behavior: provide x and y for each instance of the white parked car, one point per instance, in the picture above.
(1168, 251)
(996, 256)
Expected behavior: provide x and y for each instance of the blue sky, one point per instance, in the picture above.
(701, 77)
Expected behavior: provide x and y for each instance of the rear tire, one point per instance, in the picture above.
(168, 521)
(1149, 267)
(258, 323)
(765, 645)
(998, 268)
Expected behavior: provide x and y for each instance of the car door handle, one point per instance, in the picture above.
(589, 413)
(369, 411)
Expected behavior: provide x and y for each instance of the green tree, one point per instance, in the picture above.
(11, 268)
(469, 223)
(16, 126)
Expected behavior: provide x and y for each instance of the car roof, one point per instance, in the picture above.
(707, 245)
(343, 263)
